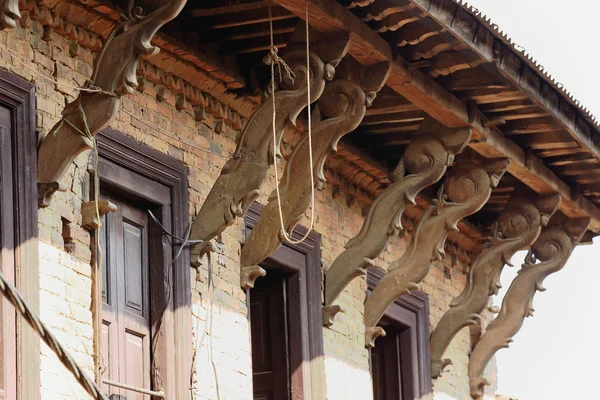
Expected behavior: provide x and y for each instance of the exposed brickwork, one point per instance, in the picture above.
(220, 326)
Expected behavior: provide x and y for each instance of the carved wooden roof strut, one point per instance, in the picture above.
(468, 187)
(339, 111)
(9, 13)
(424, 163)
(243, 175)
(517, 228)
(431, 97)
(552, 249)
(115, 75)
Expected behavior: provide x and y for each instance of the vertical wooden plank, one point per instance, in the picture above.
(8, 333)
(161, 182)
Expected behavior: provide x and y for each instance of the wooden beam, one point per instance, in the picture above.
(383, 8)
(404, 117)
(431, 47)
(582, 180)
(449, 63)
(523, 113)
(255, 31)
(487, 96)
(208, 12)
(574, 170)
(474, 78)
(503, 106)
(529, 127)
(256, 44)
(244, 18)
(387, 105)
(568, 159)
(547, 141)
(411, 34)
(480, 39)
(369, 48)
(391, 128)
(563, 152)
(397, 20)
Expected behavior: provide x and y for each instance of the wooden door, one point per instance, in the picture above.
(125, 296)
(8, 342)
(270, 354)
(386, 366)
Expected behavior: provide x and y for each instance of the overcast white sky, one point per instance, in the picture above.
(555, 355)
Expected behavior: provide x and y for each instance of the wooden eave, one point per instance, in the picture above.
(416, 84)
(434, 72)
(181, 65)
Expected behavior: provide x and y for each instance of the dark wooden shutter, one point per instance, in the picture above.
(8, 343)
(386, 366)
(125, 293)
(269, 339)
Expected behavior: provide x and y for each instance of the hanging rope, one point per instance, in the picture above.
(13, 296)
(89, 87)
(275, 59)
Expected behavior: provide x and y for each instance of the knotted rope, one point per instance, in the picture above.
(13, 296)
(274, 59)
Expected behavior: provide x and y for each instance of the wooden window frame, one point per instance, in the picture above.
(304, 262)
(119, 152)
(18, 96)
(411, 311)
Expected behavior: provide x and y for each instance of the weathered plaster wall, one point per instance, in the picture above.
(220, 326)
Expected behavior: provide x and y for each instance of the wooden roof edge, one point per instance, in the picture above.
(531, 61)
(517, 66)
(369, 48)
(212, 64)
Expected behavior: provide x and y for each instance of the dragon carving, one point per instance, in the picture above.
(424, 163)
(547, 255)
(465, 191)
(243, 175)
(114, 76)
(339, 111)
(517, 228)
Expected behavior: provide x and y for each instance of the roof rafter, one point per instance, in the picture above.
(369, 48)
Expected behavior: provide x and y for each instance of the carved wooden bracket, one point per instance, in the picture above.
(115, 75)
(89, 218)
(468, 187)
(517, 228)
(9, 13)
(249, 275)
(329, 314)
(339, 111)
(46, 190)
(423, 163)
(242, 176)
(198, 251)
(552, 249)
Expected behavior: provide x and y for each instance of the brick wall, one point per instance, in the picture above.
(220, 327)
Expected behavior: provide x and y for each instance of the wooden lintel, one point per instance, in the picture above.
(369, 48)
